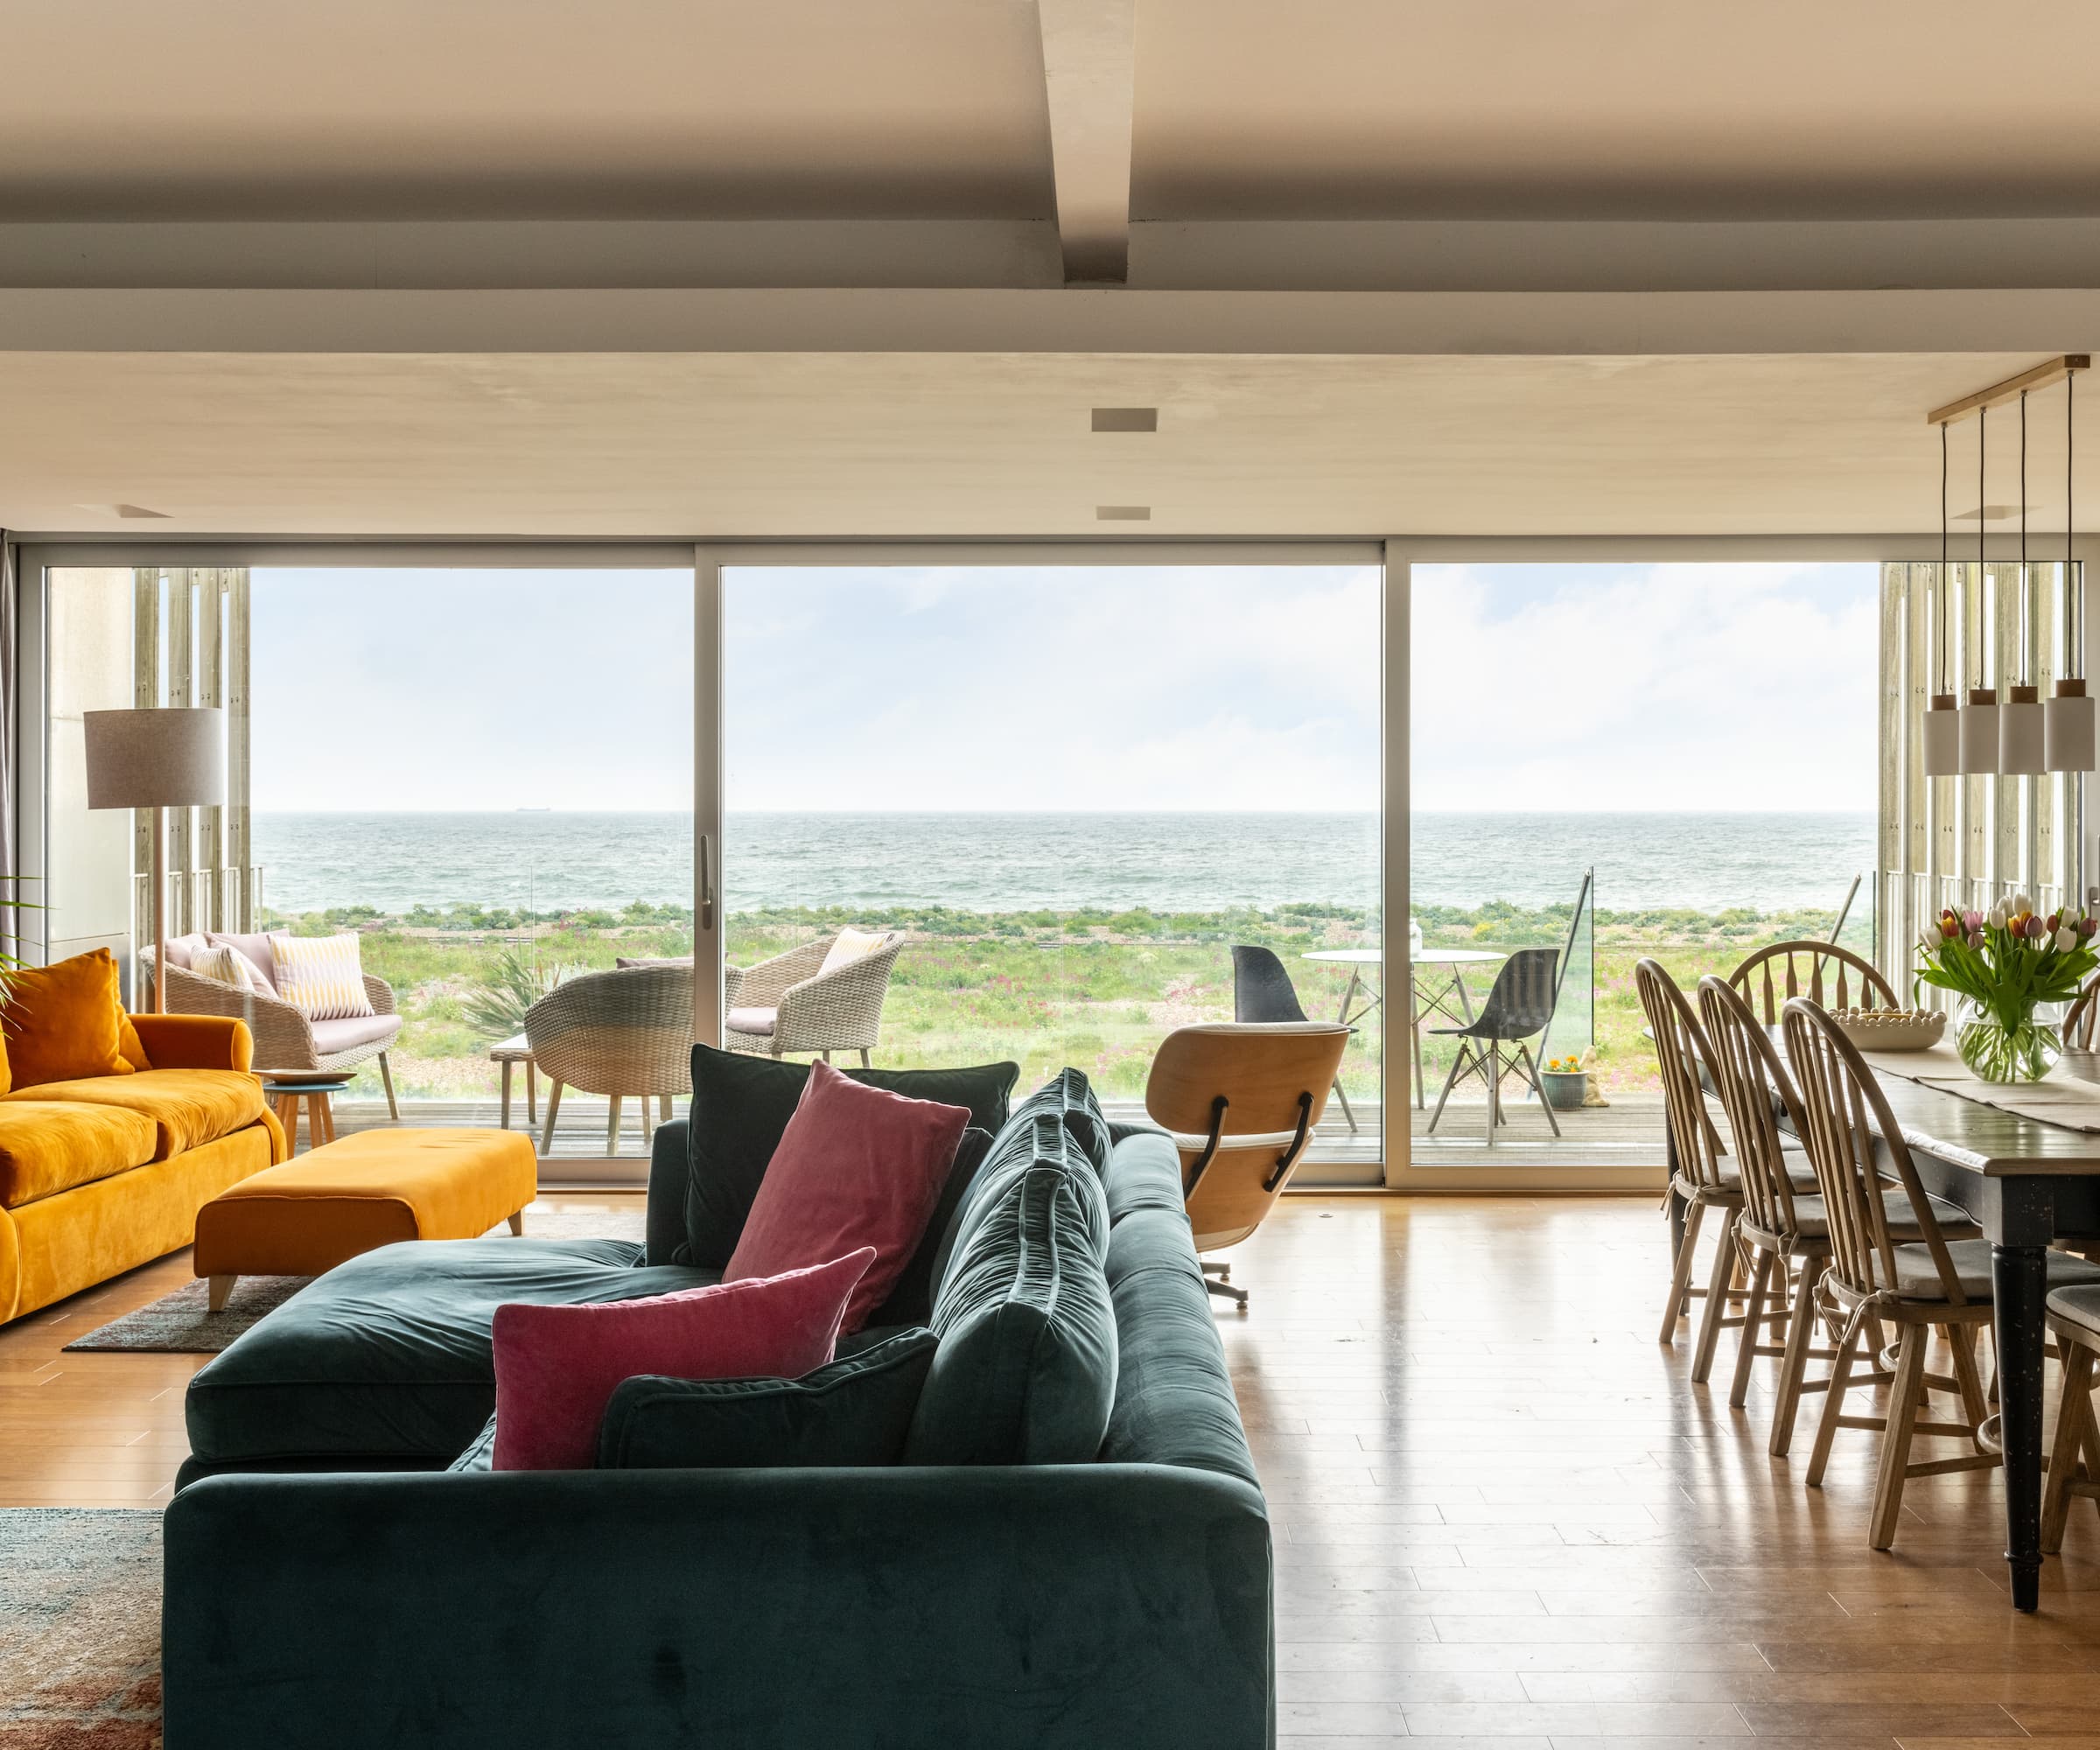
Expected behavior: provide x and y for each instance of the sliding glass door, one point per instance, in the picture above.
(1066, 794)
(1610, 761)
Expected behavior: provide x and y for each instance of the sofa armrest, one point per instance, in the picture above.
(671, 1168)
(1062, 1607)
(195, 1041)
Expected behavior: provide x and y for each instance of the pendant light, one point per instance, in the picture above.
(1979, 714)
(1942, 745)
(2019, 720)
(2067, 725)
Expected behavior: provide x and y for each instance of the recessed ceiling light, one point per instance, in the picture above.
(127, 511)
(1123, 513)
(1126, 419)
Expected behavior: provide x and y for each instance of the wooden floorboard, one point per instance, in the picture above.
(1502, 1517)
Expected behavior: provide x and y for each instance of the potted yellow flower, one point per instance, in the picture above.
(2014, 971)
(1567, 1082)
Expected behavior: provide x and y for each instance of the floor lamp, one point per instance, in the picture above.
(170, 758)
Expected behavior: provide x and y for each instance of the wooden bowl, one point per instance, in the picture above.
(1890, 1029)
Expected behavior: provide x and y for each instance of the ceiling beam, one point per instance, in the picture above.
(1089, 54)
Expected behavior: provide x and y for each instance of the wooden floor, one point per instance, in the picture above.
(1502, 1517)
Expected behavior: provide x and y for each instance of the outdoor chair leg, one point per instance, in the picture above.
(503, 1117)
(1344, 1098)
(648, 1123)
(1538, 1087)
(865, 1064)
(532, 1093)
(1494, 1088)
(1458, 1064)
(612, 1125)
(385, 1074)
(664, 1111)
(554, 1105)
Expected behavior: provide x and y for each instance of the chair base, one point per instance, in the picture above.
(1217, 1277)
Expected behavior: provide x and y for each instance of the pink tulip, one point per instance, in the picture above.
(2036, 928)
(1972, 922)
(1975, 940)
(2086, 927)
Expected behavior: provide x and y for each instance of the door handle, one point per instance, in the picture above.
(707, 882)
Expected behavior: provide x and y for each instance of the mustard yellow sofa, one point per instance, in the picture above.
(99, 1175)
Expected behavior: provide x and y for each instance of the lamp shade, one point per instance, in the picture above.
(170, 758)
(2020, 734)
(2067, 729)
(1942, 741)
(1979, 732)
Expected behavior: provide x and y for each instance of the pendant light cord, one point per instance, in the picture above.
(1943, 644)
(2073, 660)
(2026, 638)
(1983, 415)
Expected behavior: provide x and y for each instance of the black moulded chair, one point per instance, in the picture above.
(1517, 1010)
(1262, 992)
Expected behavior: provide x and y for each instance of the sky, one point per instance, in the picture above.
(1097, 688)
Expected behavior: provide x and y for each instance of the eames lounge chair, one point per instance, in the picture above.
(1242, 1099)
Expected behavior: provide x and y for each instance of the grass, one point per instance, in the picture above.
(1096, 989)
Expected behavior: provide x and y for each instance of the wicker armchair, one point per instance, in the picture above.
(626, 1031)
(285, 1039)
(789, 1004)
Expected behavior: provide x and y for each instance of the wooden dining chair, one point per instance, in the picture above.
(2082, 1022)
(1784, 1226)
(1241, 1099)
(2074, 1470)
(1916, 1287)
(1798, 960)
(1704, 1180)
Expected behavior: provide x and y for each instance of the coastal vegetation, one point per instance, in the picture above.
(1095, 987)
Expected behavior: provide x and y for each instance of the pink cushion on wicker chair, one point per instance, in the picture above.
(350, 1031)
(760, 1021)
(257, 948)
(557, 1367)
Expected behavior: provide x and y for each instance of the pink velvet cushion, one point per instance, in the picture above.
(557, 1367)
(856, 1166)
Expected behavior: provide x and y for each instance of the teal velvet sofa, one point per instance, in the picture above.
(330, 1585)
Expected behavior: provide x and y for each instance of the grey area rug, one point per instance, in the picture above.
(80, 1628)
(182, 1323)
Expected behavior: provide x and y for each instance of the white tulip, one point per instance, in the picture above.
(1929, 940)
(2067, 939)
(1998, 914)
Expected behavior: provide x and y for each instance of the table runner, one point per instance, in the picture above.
(2069, 1097)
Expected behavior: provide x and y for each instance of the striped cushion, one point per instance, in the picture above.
(319, 975)
(223, 966)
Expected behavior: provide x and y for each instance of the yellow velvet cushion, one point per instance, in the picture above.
(188, 1107)
(129, 1047)
(61, 1021)
(51, 1146)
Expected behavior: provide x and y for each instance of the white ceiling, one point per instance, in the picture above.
(141, 108)
(766, 444)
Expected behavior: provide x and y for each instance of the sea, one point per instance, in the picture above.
(536, 860)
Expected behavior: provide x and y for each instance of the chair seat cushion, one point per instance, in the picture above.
(51, 1146)
(347, 1033)
(1916, 1279)
(390, 1355)
(1813, 1218)
(188, 1107)
(759, 1023)
(2079, 1306)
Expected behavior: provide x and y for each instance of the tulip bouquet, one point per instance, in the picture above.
(2008, 965)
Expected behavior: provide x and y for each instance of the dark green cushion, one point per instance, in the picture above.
(1069, 1096)
(741, 1105)
(1026, 1373)
(855, 1412)
(388, 1356)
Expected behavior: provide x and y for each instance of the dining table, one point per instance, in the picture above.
(2025, 1163)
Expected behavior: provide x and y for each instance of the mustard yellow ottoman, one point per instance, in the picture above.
(365, 1191)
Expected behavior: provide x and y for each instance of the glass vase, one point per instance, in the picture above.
(2025, 1049)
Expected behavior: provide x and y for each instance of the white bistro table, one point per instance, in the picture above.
(1433, 998)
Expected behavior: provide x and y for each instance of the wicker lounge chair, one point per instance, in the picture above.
(625, 1033)
(790, 1003)
(285, 1039)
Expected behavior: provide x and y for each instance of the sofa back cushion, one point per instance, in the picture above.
(741, 1106)
(1026, 1371)
(855, 1411)
(856, 1166)
(64, 1022)
(557, 1367)
(1069, 1097)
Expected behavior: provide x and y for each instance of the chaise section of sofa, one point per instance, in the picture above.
(100, 1175)
(1059, 1606)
